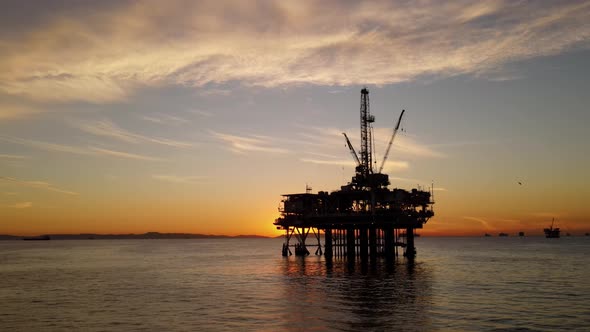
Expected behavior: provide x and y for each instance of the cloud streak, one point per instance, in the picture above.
(165, 119)
(13, 111)
(404, 145)
(13, 157)
(107, 128)
(37, 184)
(330, 138)
(336, 162)
(20, 205)
(250, 143)
(391, 166)
(482, 221)
(179, 179)
(89, 151)
(104, 55)
(121, 154)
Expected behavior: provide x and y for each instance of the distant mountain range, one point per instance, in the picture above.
(149, 235)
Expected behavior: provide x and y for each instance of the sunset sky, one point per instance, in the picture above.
(195, 116)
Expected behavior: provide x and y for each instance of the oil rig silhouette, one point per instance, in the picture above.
(364, 219)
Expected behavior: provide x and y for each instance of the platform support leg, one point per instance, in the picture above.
(364, 244)
(372, 244)
(328, 243)
(350, 244)
(410, 249)
(389, 243)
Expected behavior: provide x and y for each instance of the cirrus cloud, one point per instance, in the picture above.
(250, 143)
(36, 184)
(105, 54)
(179, 179)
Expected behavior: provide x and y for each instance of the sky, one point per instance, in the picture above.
(196, 116)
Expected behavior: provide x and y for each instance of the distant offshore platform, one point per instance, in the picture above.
(364, 219)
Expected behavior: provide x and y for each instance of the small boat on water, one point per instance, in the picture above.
(551, 233)
(503, 234)
(487, 235)
(37, 238)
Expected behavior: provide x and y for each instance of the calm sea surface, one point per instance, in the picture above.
(455, 284)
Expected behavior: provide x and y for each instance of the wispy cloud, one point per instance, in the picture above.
(88, 151)
(403, 179)
(390, 167)
(47, 146)
(105, 54)
(322, 155)
(463, 143)
(179, 179)
(403, 146)
(121, 154)
(13, 156)
(214, 92)
(329, 162)
(201, 113)
(107, 128)
(37, 184)
(424, 185)
(250, 143)
(20, 205)
(165, 119)
(482, 221)
(319, 137)
(14, 111)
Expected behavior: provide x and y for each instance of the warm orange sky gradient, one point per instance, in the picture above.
(194, 117)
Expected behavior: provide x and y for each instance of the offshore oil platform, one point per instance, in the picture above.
(364, 219)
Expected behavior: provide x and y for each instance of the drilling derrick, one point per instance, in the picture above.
(364, 218)
(366, 135)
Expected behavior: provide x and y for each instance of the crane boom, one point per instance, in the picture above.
(354, 155)
(391, 141)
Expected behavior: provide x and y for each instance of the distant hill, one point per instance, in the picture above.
(149, 235)
(9, 237)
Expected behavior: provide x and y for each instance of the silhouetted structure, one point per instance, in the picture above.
(364, 217)
(551, 233)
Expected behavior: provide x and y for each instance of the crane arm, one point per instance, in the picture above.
(391, 141)
(354, 155)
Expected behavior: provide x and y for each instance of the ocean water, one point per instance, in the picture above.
(454, 284)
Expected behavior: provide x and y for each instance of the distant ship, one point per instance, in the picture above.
(520, 233)
(551, 233)
(37, 238)
(503, 234)
(487, 235)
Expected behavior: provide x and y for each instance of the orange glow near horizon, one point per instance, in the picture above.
(197, 119)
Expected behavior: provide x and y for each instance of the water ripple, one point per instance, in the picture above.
(245, 285)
